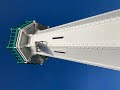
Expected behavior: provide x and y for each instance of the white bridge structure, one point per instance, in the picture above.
(94, 41)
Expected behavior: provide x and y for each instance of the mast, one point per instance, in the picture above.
(94, 41)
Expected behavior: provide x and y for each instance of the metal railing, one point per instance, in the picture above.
(13, 39)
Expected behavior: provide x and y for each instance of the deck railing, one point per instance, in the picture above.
(13, 39)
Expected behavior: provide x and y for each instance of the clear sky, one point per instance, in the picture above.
(55, 74)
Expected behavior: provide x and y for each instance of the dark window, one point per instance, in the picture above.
(57, 37)
(41, 27)
(59, 52)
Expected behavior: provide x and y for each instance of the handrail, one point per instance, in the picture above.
(13, 39)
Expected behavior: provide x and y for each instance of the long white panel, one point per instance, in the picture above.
(94, 41)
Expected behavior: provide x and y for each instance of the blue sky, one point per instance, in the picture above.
(55, 74)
